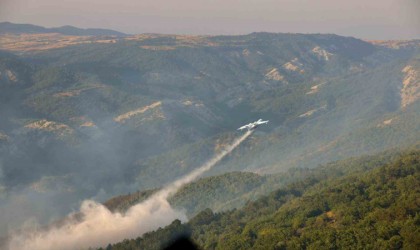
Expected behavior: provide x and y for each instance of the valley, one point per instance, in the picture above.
(96, 114)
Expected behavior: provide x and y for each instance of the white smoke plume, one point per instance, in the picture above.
(99, 227)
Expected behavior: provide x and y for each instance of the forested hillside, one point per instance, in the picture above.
(234, 189)
(339, 206)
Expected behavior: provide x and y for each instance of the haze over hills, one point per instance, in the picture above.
(12, 28)
(97, 113)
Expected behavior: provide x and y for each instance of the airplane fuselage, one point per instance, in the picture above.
(253, 125)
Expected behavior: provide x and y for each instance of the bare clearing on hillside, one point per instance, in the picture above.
(59, 129)
(321, 53)
(274, 74)
(122, 118)
(315, 88)
(410, 91)
(294, 65)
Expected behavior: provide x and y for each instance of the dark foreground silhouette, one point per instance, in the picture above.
(183, 243)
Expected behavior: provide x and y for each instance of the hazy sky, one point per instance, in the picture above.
(370, 19)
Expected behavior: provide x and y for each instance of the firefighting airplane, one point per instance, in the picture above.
(253, 125)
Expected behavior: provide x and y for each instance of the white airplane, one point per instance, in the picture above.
(253, 125)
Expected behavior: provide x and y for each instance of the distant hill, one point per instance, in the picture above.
(12, 28)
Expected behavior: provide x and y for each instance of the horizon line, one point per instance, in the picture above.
(208, 35)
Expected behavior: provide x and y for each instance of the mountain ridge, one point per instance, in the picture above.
(13, 28)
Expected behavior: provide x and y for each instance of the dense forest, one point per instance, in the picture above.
(369, 204)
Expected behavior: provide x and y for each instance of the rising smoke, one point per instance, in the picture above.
(99, 226)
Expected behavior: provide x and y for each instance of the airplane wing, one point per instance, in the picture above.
(246, 126)
(262, 122)
(243, 127)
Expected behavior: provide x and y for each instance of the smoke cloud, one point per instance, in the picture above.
(99, 227)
